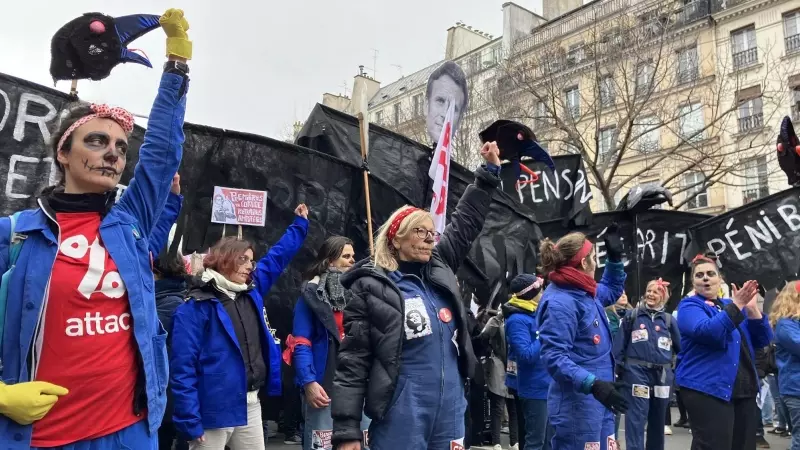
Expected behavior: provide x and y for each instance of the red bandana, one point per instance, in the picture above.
(398, 220)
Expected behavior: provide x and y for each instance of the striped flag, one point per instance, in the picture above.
(440, 170)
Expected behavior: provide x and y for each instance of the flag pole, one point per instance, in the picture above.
(364, 130)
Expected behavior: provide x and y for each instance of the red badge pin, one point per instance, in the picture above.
(445, 315)
(641, 325)
(596, 339)
(658, 328)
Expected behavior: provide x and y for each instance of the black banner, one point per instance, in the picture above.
(760, 240)
(563, 194)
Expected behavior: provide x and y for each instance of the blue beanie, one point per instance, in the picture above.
(523, 281)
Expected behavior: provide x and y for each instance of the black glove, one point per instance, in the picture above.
(610, 395)
(613, 243)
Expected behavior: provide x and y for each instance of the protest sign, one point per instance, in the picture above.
(239, 206)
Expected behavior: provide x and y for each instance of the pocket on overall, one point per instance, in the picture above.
(160, 358)
(399, 390)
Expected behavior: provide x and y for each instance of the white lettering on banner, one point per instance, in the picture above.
(41, 121)
(112, 285)
(600, 252)
(13, 176)
(6, 110)
(550, 185)
(91, 325)
(646, 238)
(760, 234)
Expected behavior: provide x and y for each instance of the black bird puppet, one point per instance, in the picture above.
(91, 45)
(515, 140)
(789, 151)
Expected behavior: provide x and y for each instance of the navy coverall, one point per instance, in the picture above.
(643, 348)
(422, 401)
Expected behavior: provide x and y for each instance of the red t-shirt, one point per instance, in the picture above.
(88, 344)
(338, 316)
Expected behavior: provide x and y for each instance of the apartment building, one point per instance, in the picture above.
(685, 93)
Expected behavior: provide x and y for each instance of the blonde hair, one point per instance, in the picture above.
(787, 304)
(385, 253)
(556, 254)
(664, 294)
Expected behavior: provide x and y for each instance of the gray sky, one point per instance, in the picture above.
(258, 65)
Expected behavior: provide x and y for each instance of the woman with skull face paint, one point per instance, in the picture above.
(644, 347)
(84, 360)
(409, 377)
(576, 340)
(717, 373)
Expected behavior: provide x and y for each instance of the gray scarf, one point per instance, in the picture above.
(331, 291)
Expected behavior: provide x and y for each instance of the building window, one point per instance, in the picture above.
(694, 182)
(572, 103)
(473, 64)
(607, 91)
(606, 142)
(379, 117)
(397, 113)
(691, 123)
(644, 77)
(576, 53)
(541, 120)
(751, 116)
(417, 99)
(791, 31)
(687, 65)
(571, 149)
(756, 180)
(612, 38)
(648, 134)
(796, 103)
(745, 52)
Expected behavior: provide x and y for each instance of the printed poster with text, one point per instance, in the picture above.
(239, 206)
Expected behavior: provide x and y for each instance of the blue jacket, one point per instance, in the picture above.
(657, 341)
(314, 321)
(126, 231)
(570, 321)
(787, 355)
(524, 347)
(160, 235)
(710, 345)
(208, 377)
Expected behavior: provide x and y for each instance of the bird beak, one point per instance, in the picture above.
(534, 146)
(130, 28)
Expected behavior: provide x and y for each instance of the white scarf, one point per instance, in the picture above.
(225, 285)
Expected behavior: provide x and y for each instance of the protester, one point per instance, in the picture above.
(495, 371)
(227, 353)
(644, 347)
(59, 369)
(512, 383)
(576, 341)
(785, 317)
(317, 335)
(533, 380)
(407, 352)
(616, 312)
(683, 420)
(719, 333)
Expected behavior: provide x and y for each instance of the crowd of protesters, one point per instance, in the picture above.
(118, 346)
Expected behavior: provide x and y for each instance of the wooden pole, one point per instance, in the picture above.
(73, 90)
(364, 153)
(239, 232)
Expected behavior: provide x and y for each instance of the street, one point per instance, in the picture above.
(680, 440)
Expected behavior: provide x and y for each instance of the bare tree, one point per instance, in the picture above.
(638, 98)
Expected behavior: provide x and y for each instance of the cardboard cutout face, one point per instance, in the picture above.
(447, 83)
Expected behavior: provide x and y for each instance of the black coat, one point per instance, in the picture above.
(369, 357)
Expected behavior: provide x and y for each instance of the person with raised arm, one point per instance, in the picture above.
(84, 360)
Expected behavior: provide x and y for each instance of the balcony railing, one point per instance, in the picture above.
(692, 12)
(688, 75)
(750, 123)
(745, 58)
(792, 43)
(753, 194)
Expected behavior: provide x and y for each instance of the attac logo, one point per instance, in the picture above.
(92, 325)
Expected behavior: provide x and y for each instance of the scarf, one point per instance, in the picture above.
(331, 291)
(525, 305)
(570, 276)
(223, 284)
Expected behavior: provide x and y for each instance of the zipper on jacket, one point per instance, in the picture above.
(38, 329)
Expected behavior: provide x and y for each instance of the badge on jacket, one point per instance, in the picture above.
(512, 368)
(417, 322)
(665, 343)
(458, 444)
(640, 390)
(639, 336)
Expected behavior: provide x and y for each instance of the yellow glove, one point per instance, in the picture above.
(175, 26)
(26, 403)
